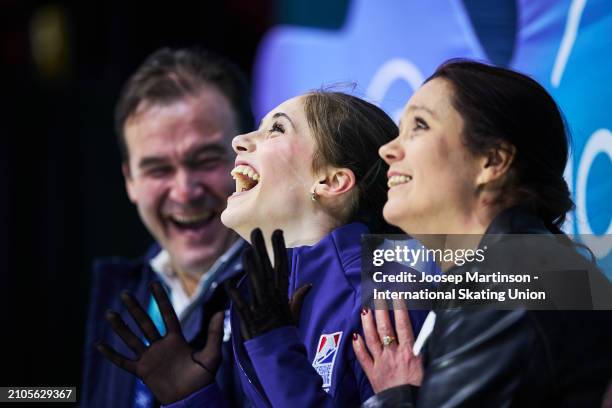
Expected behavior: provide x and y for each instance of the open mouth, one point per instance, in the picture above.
(398, 179)
(246, 178)
(188, 222)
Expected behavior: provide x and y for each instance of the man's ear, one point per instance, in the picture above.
(335, 183)
(495, 164)
(129, 182)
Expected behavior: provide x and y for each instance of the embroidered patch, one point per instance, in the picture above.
(326, 356)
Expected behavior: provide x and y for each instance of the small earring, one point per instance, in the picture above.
(313, 196)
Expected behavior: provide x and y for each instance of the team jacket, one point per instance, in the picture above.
(312, 365)
(104, 384)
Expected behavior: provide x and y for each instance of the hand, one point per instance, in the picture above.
(394, 364)
(270, 307)
(169, 366)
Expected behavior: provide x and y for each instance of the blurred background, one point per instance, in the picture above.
(63, 199)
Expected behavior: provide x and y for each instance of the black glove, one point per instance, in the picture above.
(270, 307)
(169, 366)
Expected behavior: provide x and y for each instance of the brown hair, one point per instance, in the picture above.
(169, 75)
(348, 132)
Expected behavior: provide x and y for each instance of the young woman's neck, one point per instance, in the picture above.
(305, 231)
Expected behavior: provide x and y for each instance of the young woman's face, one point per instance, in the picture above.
(431, 173)
(273, 171)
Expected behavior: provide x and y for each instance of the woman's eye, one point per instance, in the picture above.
(419, 123)
(277, 127)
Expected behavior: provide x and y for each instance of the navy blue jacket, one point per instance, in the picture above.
(104, 384)
(312, 365)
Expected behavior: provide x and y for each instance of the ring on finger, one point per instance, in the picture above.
(388, 340)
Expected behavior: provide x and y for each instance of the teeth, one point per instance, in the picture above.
(397, 180)
(246, 171)
(190, 219)
(246, 177)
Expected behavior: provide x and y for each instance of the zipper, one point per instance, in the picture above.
(261, 397)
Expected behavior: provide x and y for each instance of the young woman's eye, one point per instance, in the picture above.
(420, 124)
(277, 127)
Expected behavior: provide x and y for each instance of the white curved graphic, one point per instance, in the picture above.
(568, 40)
(388, 73)
(599, 142)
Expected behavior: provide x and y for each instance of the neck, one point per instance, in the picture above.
(190, 277)
(297, 232)
(189, 282)
(463, 230)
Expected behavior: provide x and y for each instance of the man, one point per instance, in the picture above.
(175, 120)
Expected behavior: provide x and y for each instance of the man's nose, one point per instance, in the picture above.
(244, 143)
(186, 187)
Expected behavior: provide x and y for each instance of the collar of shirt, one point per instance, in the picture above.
(181, 301)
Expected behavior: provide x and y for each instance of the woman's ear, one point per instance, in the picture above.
(334, 182)
(495, 164)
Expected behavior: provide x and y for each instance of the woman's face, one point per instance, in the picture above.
(273, 172)
(432, 175)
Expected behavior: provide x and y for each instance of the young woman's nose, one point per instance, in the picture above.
(244, 143)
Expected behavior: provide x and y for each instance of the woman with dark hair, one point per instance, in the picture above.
(494, 145)
(312, 171)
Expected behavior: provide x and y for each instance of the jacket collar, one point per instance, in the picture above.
(517, 220)
(513, 220)
(345, 240)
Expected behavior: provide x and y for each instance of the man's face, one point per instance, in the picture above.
(178, 175)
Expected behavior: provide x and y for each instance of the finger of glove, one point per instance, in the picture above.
(142, 319)
(165, 308)
(116, 358)
(246, 330)
(297, 300)
(210, 356)
(256, 281)
(244, 312)
(125, 333)
(262, 260)
(281, 263)
(215, 331)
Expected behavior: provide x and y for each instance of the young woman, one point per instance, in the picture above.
(494, 144)
(312, 171)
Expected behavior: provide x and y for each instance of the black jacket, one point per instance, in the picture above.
(512, 358)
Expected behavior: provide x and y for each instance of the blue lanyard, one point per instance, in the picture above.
(143, 398)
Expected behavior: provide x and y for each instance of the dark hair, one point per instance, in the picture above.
(169, 75)
(349, 131)
(502, 106)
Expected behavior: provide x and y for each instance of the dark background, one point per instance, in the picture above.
(63, 200)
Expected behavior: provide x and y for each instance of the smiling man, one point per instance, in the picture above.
(175, 120)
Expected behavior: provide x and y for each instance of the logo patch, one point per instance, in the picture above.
(326, 356)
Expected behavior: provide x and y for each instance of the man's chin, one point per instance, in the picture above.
(198, 249)
(197, 261)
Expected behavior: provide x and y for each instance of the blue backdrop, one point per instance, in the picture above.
(389, 47)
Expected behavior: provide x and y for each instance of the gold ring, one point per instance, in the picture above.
(387, 340)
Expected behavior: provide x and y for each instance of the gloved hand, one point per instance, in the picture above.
(169, 366)
(269, 307)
